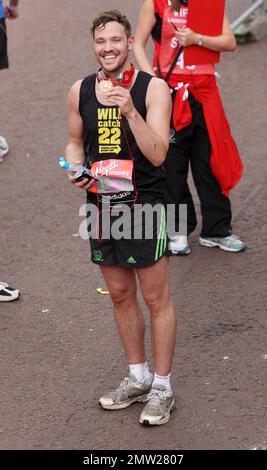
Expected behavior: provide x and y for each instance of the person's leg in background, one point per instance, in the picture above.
(176, 187)
(4, 147)
(7, 293)
(215, 207)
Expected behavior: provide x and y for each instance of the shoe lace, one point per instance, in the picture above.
(157, 394)
(231, 237)
(126, 384)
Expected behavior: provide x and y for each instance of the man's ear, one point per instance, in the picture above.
(131, 43)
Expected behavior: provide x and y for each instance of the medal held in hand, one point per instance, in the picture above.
(105, 85)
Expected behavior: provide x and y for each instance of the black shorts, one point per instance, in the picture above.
(143, 241)
(3, 45)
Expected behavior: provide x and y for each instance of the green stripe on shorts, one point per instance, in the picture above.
(162, 236)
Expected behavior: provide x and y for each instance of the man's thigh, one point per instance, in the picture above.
(154, 280)
(121, 282)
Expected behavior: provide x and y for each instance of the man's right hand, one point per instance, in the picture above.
(84, 184)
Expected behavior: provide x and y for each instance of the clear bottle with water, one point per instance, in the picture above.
(78, 172)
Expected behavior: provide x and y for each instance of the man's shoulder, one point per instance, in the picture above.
(76, 87)
(90, 77)
(159, 84)
(77, 84)
(158, 92)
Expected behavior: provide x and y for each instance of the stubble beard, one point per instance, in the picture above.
(118, 68)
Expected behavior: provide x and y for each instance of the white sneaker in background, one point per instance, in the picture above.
(179, 246)
(4, 148)
(8, 293)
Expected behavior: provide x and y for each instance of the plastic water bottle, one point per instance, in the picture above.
(78, 172)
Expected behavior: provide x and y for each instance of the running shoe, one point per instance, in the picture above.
(8, 293)
(4, 148)
(128, 392)
(179, 246)
(230, 243)
(160, 404)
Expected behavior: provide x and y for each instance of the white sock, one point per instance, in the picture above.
(147, 374)
(164, 380)
(141, 372)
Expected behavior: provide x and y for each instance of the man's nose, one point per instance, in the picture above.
(108, 46)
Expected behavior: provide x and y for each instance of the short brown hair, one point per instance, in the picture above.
(113, 15)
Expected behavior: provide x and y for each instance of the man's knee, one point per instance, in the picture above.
(122, 294)
(156, 301)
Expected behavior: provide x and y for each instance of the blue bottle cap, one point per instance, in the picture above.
(63, 164)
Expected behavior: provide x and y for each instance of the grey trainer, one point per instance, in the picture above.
(160, 404)
(231, 243)
(128, 392)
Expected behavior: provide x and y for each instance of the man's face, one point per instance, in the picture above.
(112, 46)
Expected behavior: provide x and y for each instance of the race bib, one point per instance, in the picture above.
(112, 176)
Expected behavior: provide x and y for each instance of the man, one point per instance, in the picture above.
(11, 12)
(7, 293)
(118, 118)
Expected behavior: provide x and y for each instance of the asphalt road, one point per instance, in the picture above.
(58, 344)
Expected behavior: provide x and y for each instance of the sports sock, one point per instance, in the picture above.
(164, 380)
(141, 372)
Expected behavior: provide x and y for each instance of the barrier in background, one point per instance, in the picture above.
(238, 11)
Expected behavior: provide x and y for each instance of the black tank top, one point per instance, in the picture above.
(104, 130)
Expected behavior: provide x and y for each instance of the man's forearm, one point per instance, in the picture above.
(151, 145)
(74, 153)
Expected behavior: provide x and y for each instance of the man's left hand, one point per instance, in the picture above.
(121, 97)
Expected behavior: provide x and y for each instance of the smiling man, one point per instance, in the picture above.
(119, 127)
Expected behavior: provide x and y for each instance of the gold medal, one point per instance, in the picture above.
(105, 85)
